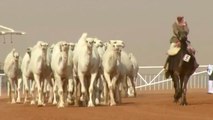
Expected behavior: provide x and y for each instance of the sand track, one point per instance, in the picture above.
(155, 105)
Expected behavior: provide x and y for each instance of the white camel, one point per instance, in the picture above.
(59, 66)
(132, 91)
(49, 79)
(12, 71)
(111, 65)
(37, 67)
(71, 81)
(126, 75)
(100, 83)
(86, 65)
(26, 74)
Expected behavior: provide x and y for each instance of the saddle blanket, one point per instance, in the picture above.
(173, 49)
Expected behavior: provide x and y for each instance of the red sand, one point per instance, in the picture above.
(155, 105)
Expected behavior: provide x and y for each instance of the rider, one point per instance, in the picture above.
(180, 30)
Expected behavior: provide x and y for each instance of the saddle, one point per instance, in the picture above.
(175, 48)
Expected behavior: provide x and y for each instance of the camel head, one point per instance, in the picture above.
(50, 49)
(42, 45)
(15, 55)
(72, 46)
(89, 42)
(29, 49)
(116, 44)
(98, 43)
(64, 46)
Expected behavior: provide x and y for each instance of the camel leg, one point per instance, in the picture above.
(26, 89)
(125, 85)
(13, 95)
(9, 90)
(65, 91)
(37, 80)
(50, 89)
(105, 90)
(83, 89)
(75, 91)
(42, 92)
(113, 84)
(107, 77)
(60, 91)
(175, 78)
(19, 90)
(12, 91)
(183, 99)
(70, 90)
(98, 90)
(55, 93)
(118, 88)
(45, 88)
(133, 93)
(33, 93)
(91, 88)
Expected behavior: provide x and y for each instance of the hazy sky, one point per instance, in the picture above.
(144, 25)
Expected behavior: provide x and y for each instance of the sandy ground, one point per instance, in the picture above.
(155, 105)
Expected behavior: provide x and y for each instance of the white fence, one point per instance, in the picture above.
(149, 81)
(158, 82)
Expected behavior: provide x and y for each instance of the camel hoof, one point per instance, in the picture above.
(55, 103)
(49, 101)
(175, 101)
(97, 101)
(32, 102)
(40, 104)
(69, 101)
(90, 104)
(130, 92)
(82, 98)
(184, 103)
(61, 105)
(113, 104)
(13, 102)
(18, 100)
(26, 101)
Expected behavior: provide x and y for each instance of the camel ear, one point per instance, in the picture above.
(72, 45)
(40, 44)
(29, 49)
(13, 51)
(123, 45)
(47, 44)
(113, 41)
